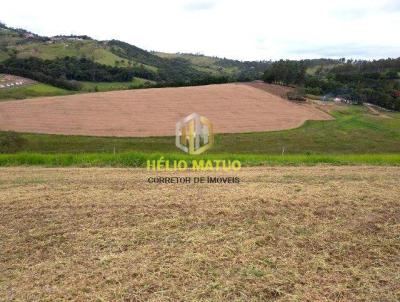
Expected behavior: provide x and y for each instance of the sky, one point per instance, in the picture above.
(243, 30)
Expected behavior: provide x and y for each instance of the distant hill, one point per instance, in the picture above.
(162, 68)
(348, 81)
(82, 64)
(216, 65)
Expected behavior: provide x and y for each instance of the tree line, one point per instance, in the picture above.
(359, 81)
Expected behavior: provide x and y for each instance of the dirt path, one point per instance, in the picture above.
(375, 111)
(232, 108)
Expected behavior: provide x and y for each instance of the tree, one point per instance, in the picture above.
(286, 72)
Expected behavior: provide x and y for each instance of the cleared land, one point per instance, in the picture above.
(233, 108)
(7, 81)
(282, 234)
(353, 131)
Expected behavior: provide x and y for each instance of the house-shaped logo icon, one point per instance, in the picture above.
(194, 134)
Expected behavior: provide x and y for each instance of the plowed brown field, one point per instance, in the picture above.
(233, 108)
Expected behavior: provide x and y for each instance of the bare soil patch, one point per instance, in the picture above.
(9, 81)
(281, 234)
(233, 108)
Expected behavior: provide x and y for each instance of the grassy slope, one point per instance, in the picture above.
(201, 63)
(106, 53)
(90, 49)
(34, 90)
(135, 159)
(108, 86)
(115, 53)
(40, 90)
(94, 50)
(353, 131)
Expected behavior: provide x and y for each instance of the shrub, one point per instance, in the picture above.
(297, 95)
(11, 142)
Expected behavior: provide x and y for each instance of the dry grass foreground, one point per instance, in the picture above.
(282, 234)
(232, 108)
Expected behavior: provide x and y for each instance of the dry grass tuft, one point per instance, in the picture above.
(282, 234)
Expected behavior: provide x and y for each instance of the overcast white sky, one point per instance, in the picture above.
(245, 30)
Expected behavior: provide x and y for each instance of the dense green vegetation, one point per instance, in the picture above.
(353, 131)
(60, 59)
(375, 82)
(40, 90)
(286, 72)
(60, 72)
(239, 70)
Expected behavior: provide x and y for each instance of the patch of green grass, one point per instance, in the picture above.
(104, 86)
(3, 56)
(108, 86)
(148, 67)
(92, 50)
(106, 57)
(48, 143)
(312, 70)
(89, 49)
(136, 159)
(202, 63)
(40, 89)
(35, 90)
(199, 60)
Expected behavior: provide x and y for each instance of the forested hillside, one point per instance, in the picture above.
(61, 59)
(359, 81)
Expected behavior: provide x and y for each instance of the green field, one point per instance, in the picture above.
(40, 89)
(202, 63)
(354, 136)
(94, 50)
(89, 49)
(97, 51)
(109, 86)
(35, 90)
